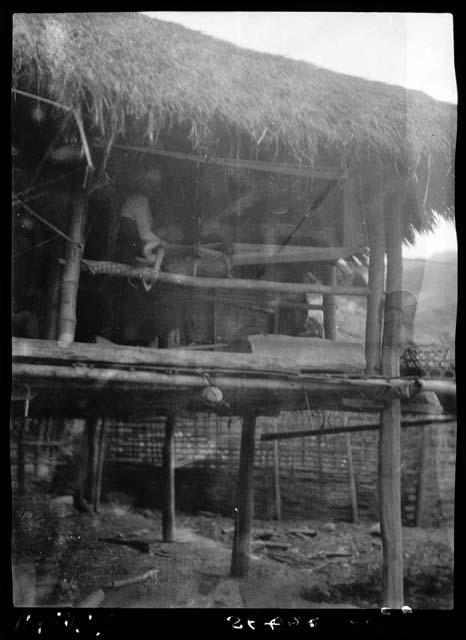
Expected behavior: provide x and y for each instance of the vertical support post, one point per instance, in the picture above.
(49, 435)
(39, 449)
(351, 478)
(330, 305)
(374, 313)
(214, 318)
(421, 487)
(92, 452)
(276, 317)
(276, 475)
(21, 462)
(168, 470)
(245, 509)
(320, 463)
(389, 466)
(71, 271)
(100, 465)
(53, 303)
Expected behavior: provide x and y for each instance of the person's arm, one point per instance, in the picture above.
(139, 210)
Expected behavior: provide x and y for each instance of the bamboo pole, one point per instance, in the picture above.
(421, 488)
(250, 304)
(21, 462)
(71, 271)
(245, 509)
(152, 379)
(312, 433)
(92, 448)
(376, 285)
(276, 476)
(168, 469)
(39, 443)
(324, 173)
(329, 304)
(53, 302)
(389, 465)
(146, 357)
(214, 318)
(290, 254)
(446, 387)
(100, 465)
(118, 270)
(352, 479)
(320, 462)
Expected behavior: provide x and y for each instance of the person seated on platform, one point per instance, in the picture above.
(25, 323)
(136, 225)
(144, 316)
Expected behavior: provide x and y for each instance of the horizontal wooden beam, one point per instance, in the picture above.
(323, 173)
(28, 351)
(98, 354)
(446, 387)
(239, 284)
(105, 378)
(248, 304)
(312, 433)
(152, 379)
(270, 305)
(278, 254)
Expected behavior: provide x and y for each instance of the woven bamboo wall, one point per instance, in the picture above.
(313, 471)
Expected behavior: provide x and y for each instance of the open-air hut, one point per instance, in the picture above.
(274, 171)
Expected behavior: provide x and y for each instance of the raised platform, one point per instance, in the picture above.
(83, 379)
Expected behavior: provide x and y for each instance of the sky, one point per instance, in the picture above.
(414, 50)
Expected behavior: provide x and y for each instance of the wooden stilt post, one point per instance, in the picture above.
(53, 303)
(245, 504)
(92, 449)
(100, 465)
(374, 315)
(390, 423)
(276, 317)
(214, 318)
(21, 461)
(330, 305)
(421, 487)
(39, 449)
(321, 470)
(71, 270)
(168, 512)
(276, 476)
(352, 480)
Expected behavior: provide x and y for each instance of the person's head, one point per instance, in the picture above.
(151, 179)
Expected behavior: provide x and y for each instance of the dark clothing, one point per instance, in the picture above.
(128, 244)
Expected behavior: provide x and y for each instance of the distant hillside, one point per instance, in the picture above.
(434, 283)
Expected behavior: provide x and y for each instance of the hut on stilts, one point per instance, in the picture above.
(274, 171)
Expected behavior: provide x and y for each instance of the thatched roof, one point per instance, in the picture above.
(158, 77)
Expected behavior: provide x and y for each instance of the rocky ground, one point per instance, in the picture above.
(116, 559)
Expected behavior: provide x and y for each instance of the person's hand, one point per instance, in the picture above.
(151, 247)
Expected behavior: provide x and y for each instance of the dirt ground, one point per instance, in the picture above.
(61, 558)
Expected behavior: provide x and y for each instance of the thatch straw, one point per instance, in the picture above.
(157, 76)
